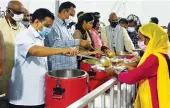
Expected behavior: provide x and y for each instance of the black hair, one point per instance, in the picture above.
(154, 20)
(123, 21)
(87, 17)
(80, 13)
(95, 22)
(96, 15)
(138, 26)
(66, 5)
(168, 27)
(41, 14)
(132, 21)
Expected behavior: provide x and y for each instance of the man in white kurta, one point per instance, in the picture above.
(116, 37)
(9, 26)
(27, 79)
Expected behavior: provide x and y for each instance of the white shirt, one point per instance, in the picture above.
(27, 79)
(107, 34)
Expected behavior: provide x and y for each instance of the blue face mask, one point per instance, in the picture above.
(26, 23)
(44, 32)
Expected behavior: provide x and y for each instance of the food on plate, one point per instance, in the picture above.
(110, 54)
(105, 61)
(91, 61)
(99, 55)
(116, 60)
(106, 64)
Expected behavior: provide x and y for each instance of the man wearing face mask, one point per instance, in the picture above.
(70, 23)
(60, 37)
(116, 37)
(31, 62)
(26, 19)
(132, 25)
(9, 26)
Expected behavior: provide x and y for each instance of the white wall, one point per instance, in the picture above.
(142, 8)
(145, 9)
(105, 7)
(32, 5)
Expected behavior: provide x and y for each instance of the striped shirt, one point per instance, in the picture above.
(60, 37)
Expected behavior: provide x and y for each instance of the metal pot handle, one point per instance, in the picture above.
(58, 92)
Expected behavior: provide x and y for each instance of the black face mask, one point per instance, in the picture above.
(114, 24)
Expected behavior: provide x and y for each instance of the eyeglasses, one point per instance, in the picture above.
(114, 20)
(46, 25)
(15, 12)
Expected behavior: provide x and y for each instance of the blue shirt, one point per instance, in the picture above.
(60, 37)
(29, 71)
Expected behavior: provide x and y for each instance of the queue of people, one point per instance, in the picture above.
(30, 46)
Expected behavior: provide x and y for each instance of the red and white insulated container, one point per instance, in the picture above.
(64, 87)
(96, 77)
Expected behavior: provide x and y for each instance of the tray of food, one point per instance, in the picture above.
(120, 68)
(102, 69)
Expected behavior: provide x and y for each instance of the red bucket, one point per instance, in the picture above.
(96, 78)
(64, 87)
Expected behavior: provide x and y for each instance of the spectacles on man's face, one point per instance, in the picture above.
(15, 12)
(114, 20)
(46, 24)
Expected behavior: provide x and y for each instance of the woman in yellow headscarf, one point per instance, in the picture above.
(152, 73)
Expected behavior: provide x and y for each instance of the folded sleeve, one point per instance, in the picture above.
(56, 40)
(23, 44)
